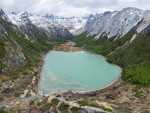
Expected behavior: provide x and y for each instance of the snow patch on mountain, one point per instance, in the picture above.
(74, 24)
(20, 18)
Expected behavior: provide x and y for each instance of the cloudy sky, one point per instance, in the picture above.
(70, 7)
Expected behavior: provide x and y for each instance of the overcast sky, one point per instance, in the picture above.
(70, 7)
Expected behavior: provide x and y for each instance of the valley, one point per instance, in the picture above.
(122, 37)
(118, 97)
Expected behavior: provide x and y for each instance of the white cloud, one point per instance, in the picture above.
(70, 7)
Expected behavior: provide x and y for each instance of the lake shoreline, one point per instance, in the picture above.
(113, 96)
(116, 96)
(70, 48)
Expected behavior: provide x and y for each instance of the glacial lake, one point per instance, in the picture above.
(77, 71)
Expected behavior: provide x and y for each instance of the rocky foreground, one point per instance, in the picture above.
(117, 98)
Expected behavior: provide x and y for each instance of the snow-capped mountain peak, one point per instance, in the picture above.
(73, 24)
(20, 18)
(27, 20)
(25, 14)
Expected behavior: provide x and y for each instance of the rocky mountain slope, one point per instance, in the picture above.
(122, 36)
(22, 47)
(23, 28)
(116, 23)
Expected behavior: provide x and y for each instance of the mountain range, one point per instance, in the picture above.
(116, 23)
(73, 24)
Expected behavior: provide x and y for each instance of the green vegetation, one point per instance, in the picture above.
(75, 109)
(2, 111)
(103, 45)
(2, 49)
(137, 91)
(133, 58)
(54, 102)
(63, 108)
(1, 98)
(135, 61)
(2, 66)
(83, 103)
(32, 102)
(46, 106)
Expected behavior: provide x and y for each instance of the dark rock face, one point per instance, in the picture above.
(8, 91)
(110, 96)
(91, 94)
(1, 12)
(107, 12)
(20, 62)
(3, 15)
(1, 28)
(5, 71)
(16, 57)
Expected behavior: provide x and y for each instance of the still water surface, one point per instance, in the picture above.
(79, 71)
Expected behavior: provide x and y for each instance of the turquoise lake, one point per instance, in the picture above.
(78, 71)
